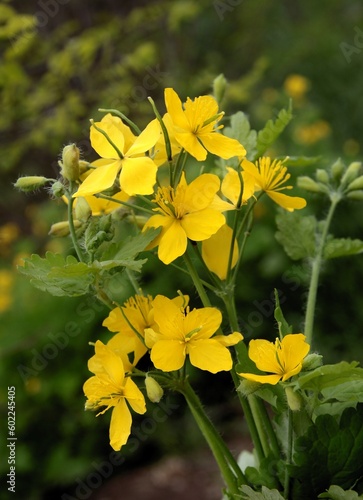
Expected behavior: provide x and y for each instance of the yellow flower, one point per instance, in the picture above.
(215, 251)
(185, 213)
(159, 151)
(296, 86)
(195, 127)
(126, 153)
(182, 332)
(112, 389)
(269, 176)
(283, 359)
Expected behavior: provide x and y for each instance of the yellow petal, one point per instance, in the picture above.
(99, 206)
(263, 353)
(221, 145)
(168, 355)
(199, 226)
(200, 110)
(120, 425)
(232, 186)
(175, 109)
(99, 179)
(134, 396)
(210, 355)
(191, 144)
(207, 320)
(146, 140)
(290, 203)
(293, 350)
(138, 175)
(216, 250)
(262, 379)
(100, 143)
(201, 192)
(229, 340)
(111, 363)
(173, 243)
(169, 318)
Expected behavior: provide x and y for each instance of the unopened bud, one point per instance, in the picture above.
(355, 195)
(312, 361)
(356, 184)
(293, 399)
(70, 162)
(308, 184)
(82, 210)
(83, 166)
(58, 189)
(337, 170)
(322, 176)
(219, 87)
(154, 390)
(30, 183)
(351, 173)
(60, 229)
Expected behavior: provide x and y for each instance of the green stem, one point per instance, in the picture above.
(180, 164)
(130, 205)
(315, 271)
(196, 280)
(289, 452)
(71, 223)
(228, 466)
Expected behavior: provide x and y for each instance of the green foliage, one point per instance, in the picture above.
(342, 247)
(337, 493)
(240, 129)
(329, 453)
(297, 234)
(248, 493)
(271, 131)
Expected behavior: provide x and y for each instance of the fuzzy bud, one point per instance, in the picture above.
(312, 361)
(60, 229)
(58, 189)
(30, 183)
(153, 389)
(356, 184)
(293, 399)
(355, 195)
(82, 210)
(70, 162)
(219, 87)
(351, 173)
(337, 170)
(322, 176)
(308, 184)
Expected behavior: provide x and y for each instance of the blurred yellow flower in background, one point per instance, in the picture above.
(296, 86)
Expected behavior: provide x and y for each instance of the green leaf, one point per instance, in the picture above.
(341, 247)
(284, 327)
(240, 129)
(265, 494)
(337, 493)
(329, 453)
(130, 247)
(296, 233)
(57, 275)
(273, 128)
(300, 161)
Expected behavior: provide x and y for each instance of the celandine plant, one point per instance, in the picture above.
(305, 418)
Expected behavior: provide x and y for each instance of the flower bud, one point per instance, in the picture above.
(58, 189)
(351, 173)
(356, 184)
(70, 162)
(30, 183)
(219, 87)
(322, 176)
(153, 389)
(337, 170)
(293, 399)
(82, 210)
(312, 361)
(308, 184)
(355, 195)
(60, 229)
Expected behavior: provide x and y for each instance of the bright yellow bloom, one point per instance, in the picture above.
(111, 388)
(269, 176)
(159, 153)
(185, 213)
(283, 359)
(182, 332)
(195, 127)
(126, 155)
(215, 251)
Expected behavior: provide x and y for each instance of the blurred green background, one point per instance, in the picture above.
(60, 62)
